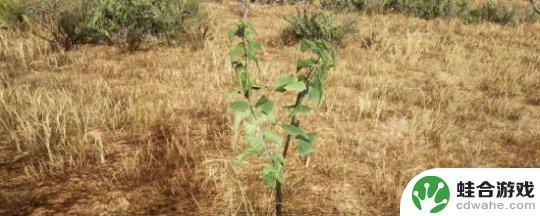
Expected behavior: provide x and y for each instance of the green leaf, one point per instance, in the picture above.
(252, 57)
(232, 32)
(251, 48)
(273, 174)
(239, 117)
(293, 130)
(284, 81)
(301, 109)
(273, 137)
(304, 147)
(255, 143)
(256, 147)
(305, 63)
(237, 53)
(251, 128)
(306, 45)
(242, 157)
(317, 93)
(277, 157)
(239, 106)
(296, 86)
(265, 104)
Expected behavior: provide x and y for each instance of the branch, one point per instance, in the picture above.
(246, 4)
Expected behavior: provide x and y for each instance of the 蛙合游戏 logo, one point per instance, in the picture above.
(431, 194)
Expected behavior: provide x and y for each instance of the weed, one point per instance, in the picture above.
(320, 26)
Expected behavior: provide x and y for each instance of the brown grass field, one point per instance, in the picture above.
(95, 131)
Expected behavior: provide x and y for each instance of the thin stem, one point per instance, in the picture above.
(242, 34)
(279, 194)
(299, 100)
(245, 8)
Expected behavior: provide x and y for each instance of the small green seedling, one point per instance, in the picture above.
(257, 118)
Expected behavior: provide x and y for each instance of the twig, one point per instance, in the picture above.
(245, 8)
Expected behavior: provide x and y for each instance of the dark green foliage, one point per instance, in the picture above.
(124, 23)
(14, 14)
(127, 22)
(66, 22)
(430, 9)
(343, 5)
(497, 11)
(276, 1)
(320, 25)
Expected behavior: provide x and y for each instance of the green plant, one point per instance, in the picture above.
(258, 117)
(346, 5)
(497, 12)
(181, 20)
(67, 23)
(127, 22)
(14, 14)
(276, 1)
(320, 26)
(430, 9)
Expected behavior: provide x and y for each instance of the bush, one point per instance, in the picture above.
(67, 22)
(320, 25)
(127, 22)
(276, 1)
(343, 5)
(184, 20)
(495, 11)
(430, 9)
(14, 14)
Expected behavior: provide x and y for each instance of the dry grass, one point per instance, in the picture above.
(96, 131)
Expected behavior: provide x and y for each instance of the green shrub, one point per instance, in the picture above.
(183, 20)
(66, 22)
(127, 22)
(343, 5)
(123, 22)
(495, 11)
(430, 9)
(320, 25)
(427, 9)
(276, 1)
(14, 14)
